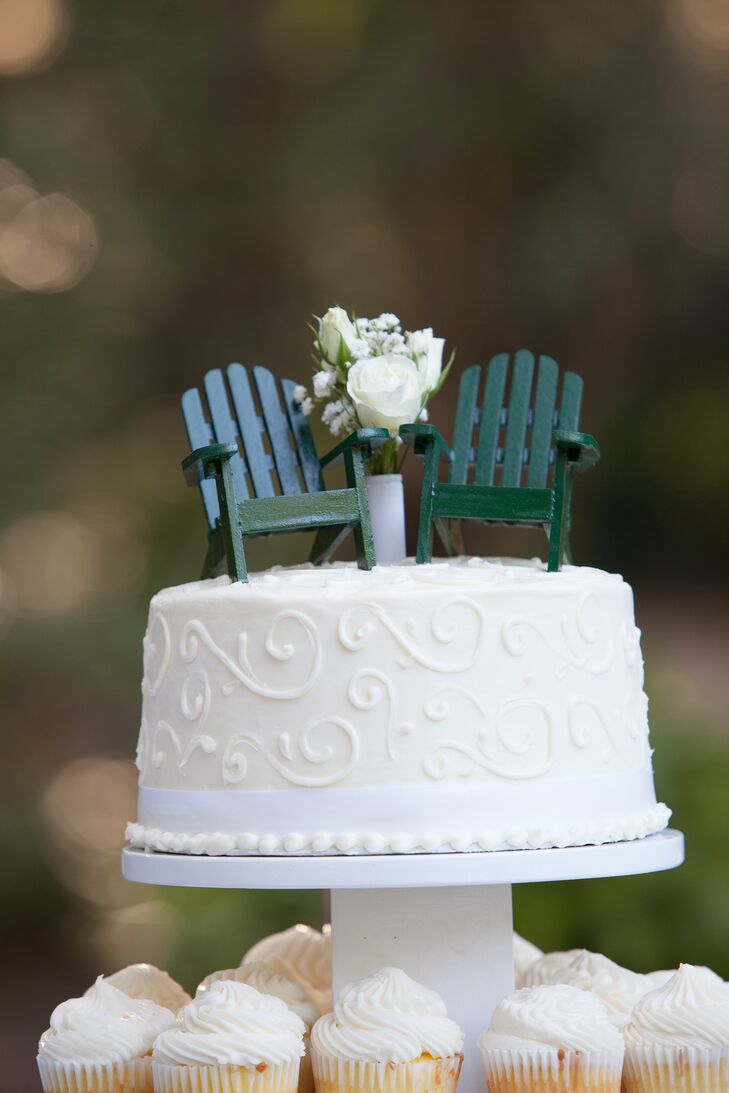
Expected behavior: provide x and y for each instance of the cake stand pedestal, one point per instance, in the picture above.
(444, 918)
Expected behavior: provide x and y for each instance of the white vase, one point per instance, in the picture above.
(387, 514)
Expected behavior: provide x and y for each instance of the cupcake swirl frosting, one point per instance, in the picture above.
(545, 968)
(387, 1017)
(104, 1026)
(551, 1016)
(233, 1024)
(303, 954)
(690, 1010)
(265, 979)
(146, 981)
(619, 988)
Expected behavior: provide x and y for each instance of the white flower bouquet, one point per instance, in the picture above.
(369, 373)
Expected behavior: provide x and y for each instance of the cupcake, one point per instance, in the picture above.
(146, 981)
(617, 987)
(524, 956)
(301, 953)
(230, 1039)
(547, 966)
(387, 1033)
(678, 1037)
(552, 1039)
(261, 975)
(101, 1043)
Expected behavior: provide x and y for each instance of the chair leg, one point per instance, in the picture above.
(214, 556)
(230, 523)
(424, 552)
(326, 542)
(445, 532)
(558, 528)
(356, 479)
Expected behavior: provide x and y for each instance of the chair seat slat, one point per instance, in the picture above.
(225, 427)
(463, 430)
(249, 422)
(278, 431)
(541, 434)
(521, 389)
(299, 423)
(491, 420)
(200, 435)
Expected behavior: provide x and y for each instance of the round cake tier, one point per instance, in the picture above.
(460, 706)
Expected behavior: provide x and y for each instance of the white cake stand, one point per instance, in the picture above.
(445, 918)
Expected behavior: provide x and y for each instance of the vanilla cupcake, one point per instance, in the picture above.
(146, 981)
(546, 967)
(263, 978)
(524, 956)
(301, 953)
(230, 1039)
(678, 1037)
(387, 1033)
(552, 1039)
(101, 1043)
(619, 988)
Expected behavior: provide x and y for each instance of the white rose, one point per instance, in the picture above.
(386, 391)
(334, 329)
(428, 353)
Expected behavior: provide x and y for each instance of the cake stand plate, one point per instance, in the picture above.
(444, 918)
(649, 855)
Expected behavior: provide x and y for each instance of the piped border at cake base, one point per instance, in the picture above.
(627, 827)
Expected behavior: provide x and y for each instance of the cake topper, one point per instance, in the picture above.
(259, 473)
(523, 454)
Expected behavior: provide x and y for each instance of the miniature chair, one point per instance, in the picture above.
(511, 481)
(259, 474)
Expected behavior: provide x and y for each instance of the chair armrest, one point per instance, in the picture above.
(197, 465)
(422, 436)
(583, 451)
(362, 438)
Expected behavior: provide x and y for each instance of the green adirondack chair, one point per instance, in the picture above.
(511, 462)
(259, 473)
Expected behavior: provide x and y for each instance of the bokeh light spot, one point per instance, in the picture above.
(51, 560)
(49, 245)
(32, 34)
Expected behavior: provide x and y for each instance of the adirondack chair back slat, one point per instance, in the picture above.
(465, 419)
(571, 402)
(491, 419)
(542, 423)
(225, 427)
(521, 389)
(299, 423)
(252, 429)
(277, 427)
(199, 434)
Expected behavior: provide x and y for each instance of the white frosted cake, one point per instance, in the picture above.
(465, 705)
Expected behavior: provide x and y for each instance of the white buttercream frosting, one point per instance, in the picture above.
(104, 1026)
(303, 954)
(389, 1018)
(546, 1016)
(690, 1010)
(265, 979)
(233, 1024)
(525, 953)
(463, 705)
(546, 968)
(147, 981)
(618, 987)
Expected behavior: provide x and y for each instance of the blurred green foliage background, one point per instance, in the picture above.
(185, 184)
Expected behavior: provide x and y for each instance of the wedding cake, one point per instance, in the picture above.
(467, 705)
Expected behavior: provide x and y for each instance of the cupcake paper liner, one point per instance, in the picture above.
(225, 1079)
(133, 1076)
(419, 1076)
(552, 1071)
(652, 1069)
(306, 1075)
